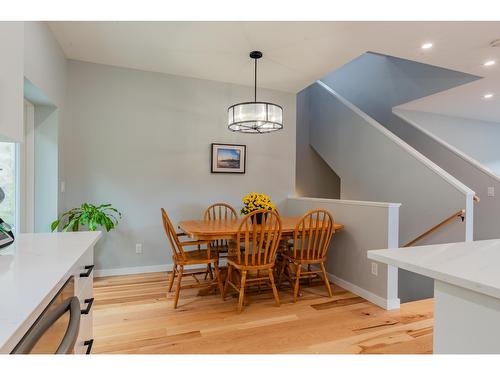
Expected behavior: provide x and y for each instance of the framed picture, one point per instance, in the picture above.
(228, 158)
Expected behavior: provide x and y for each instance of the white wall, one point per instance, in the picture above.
(28, 49)
(11, 81)
(44, 62)
(46, 167)
(141, 141)
(476, 139)
(367, 225)
(46, 68)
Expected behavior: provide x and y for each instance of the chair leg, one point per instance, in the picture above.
(275, 291)
(327, 283)
(228, 279)
(258, 284)
(242, 290)
(209, 272)
(297, 284)
(219, 281)
(172, 278)
(178, 290)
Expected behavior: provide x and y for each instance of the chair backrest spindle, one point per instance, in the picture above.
(312, 235)
(260, 241)
(220, 211)
(172, 236)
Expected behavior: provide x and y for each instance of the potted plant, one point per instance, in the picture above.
(88, 215)
(257, 201)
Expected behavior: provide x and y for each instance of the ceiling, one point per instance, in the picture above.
(464, 101)
(295, 53)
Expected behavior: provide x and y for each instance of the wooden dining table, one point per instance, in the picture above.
(211, 230)
(226, 229)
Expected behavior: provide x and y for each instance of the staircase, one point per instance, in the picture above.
(374, 164)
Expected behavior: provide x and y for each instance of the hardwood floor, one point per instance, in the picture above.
(134, 314)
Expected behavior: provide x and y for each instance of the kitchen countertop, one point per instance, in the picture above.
(32, 270)
(471, 265)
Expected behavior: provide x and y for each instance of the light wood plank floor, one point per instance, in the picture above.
(134, 314)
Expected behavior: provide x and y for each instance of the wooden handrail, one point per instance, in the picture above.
(458, 214)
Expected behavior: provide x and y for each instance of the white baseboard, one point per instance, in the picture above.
(132, 270)
(387, 304)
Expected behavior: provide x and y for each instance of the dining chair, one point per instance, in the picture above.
(311, 240)
(219, 211)
(182, 257)
(258, 244)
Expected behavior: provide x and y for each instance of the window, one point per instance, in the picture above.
(8, 178)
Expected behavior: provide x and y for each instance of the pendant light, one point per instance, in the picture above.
(255, 117)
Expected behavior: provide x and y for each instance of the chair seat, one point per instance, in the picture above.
(289, 255)
(233, 260)
(220, 248)
(197, 257)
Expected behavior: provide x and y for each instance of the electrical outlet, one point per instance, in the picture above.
(138, 248)
(63, 186)
(374, 268)
(491, 191)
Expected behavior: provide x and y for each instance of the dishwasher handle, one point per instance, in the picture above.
(29, 341)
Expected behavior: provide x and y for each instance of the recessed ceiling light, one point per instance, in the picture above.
(427, 45)
(488, 96)
(489, 63)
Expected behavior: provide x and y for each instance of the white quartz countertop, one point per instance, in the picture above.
(470, 265)
(32, 270)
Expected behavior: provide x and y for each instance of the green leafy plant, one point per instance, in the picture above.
(90, 216)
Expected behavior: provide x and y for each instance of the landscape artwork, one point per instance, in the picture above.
(227, 158)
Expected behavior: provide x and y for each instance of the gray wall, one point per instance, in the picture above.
(141, 141)
(475, 138)
(375, 166)
(367, 225)
(313, 176)
(487, 211)
(375, 84)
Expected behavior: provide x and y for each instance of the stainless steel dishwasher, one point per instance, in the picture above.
(56, 329)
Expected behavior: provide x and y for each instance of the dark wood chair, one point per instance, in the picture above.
(203, 255)
(311, 239)
(258, 244)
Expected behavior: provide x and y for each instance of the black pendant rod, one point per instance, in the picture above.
(255, 83)
(255, 55)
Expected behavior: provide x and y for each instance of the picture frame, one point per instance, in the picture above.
(228, 158)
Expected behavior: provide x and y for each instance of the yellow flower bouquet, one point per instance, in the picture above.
(256, 201)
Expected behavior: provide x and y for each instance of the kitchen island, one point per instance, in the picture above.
(33, 270)
(466, 291)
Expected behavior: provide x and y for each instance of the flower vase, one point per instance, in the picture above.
(258, 218)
